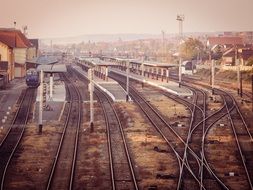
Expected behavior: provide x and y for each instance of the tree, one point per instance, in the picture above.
(250, 61)
(191, 48)
(217, 53)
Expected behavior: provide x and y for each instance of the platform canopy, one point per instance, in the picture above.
(59, 68)
(98, 62)
(155, 64)
(43, 60)
(145, 63)
(125, 59)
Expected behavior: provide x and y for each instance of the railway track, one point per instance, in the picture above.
(240, 129)
(207, 174)
(246, 93)
(208, 177)
(121, 165)
(63, 167)
(170, 136)
(241, 134)
(176, 152)
(194, 137)
(167, 132)
(14, 135)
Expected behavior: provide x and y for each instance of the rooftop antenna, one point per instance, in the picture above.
(25, 28)
(163, 44)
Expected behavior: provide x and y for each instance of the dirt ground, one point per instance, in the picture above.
(142, 138)
(92, 161)
(30, 167)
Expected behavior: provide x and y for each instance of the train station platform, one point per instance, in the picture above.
(170, 86)
(9, 98)
(59, 93)
(54, 105)
(109, 86)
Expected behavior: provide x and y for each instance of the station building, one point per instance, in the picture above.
(15, 50)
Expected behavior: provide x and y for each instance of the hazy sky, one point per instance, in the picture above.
(63, 18)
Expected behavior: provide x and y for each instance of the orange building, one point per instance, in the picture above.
(15, 49)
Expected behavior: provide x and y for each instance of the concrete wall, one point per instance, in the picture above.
(3, 52)
(226, 67)
(7, 56)
(20, 55)
(234, 68)
(20, 70)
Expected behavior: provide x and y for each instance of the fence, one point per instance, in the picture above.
(226, 67)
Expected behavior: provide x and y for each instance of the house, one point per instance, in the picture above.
(244, 54)
(225, 41)
(6, 61)
(15, 49)
(232, 47)
(188, 67)
(30, 54)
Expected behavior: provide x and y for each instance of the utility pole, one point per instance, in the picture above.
(41, 101)
(252, 92)
(91, 89)
(238, 76)
(180, 71)
(212, 70)
(163, 45)
(238, 65)
(180, 19)
(51, 46)
(51, 81)
(127, 82)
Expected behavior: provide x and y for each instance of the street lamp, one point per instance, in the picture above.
(91, 89)
(41, 101)
(127, 82)
(180, 19)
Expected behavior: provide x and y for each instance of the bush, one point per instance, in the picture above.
(250, 61)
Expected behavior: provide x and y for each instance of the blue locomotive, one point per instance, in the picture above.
(32, 78)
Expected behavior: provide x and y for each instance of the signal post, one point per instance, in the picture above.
(91, 89)
(42, 100)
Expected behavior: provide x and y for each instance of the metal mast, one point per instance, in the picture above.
(180, 19)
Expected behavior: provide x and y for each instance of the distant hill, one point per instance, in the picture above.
(99, 38)
(113, 37)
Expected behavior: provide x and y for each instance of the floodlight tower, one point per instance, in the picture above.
(180, 19)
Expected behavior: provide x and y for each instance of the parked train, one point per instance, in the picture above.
(32, 78)
(3, 81)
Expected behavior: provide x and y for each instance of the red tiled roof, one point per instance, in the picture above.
(245, 54)
(225, 41)
(14, 38)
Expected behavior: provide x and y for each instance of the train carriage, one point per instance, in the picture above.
(32, 78)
